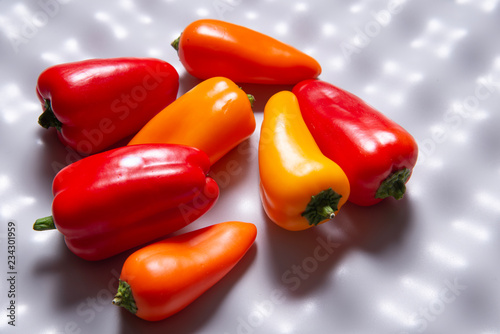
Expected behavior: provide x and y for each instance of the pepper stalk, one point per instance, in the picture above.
(322, 206)
(48, 119)
(124, 297)
(394, 184)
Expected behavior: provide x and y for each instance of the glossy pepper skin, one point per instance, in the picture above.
(299, 186)
(209, 48)
(112, 201)
(163, 278)
(376, 153)
(95, 103)
(214, 116)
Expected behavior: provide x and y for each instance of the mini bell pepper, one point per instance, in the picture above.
(214, 116)
(112, 201)
(376, 153)
(209, 48)
(95, 103)
(163, 278)
(299, 186)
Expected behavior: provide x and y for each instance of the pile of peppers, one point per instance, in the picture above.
(147, 156)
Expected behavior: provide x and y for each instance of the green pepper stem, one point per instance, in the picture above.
(48, 119)
(252, 99)
(322, 206)
(45, 223)
(124, 297)
(394, 184)
(175, 43)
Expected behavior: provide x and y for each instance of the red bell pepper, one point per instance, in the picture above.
(97, 102)
(376, 153)
(109, 202)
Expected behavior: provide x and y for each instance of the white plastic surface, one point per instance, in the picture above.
(425, 264)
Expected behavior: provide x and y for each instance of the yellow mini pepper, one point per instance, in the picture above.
(299, 186)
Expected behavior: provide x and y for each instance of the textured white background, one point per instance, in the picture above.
(425, 264)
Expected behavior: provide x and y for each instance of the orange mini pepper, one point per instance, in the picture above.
(209, 48)
(214, 116)
(299, 186)
(163, 278)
